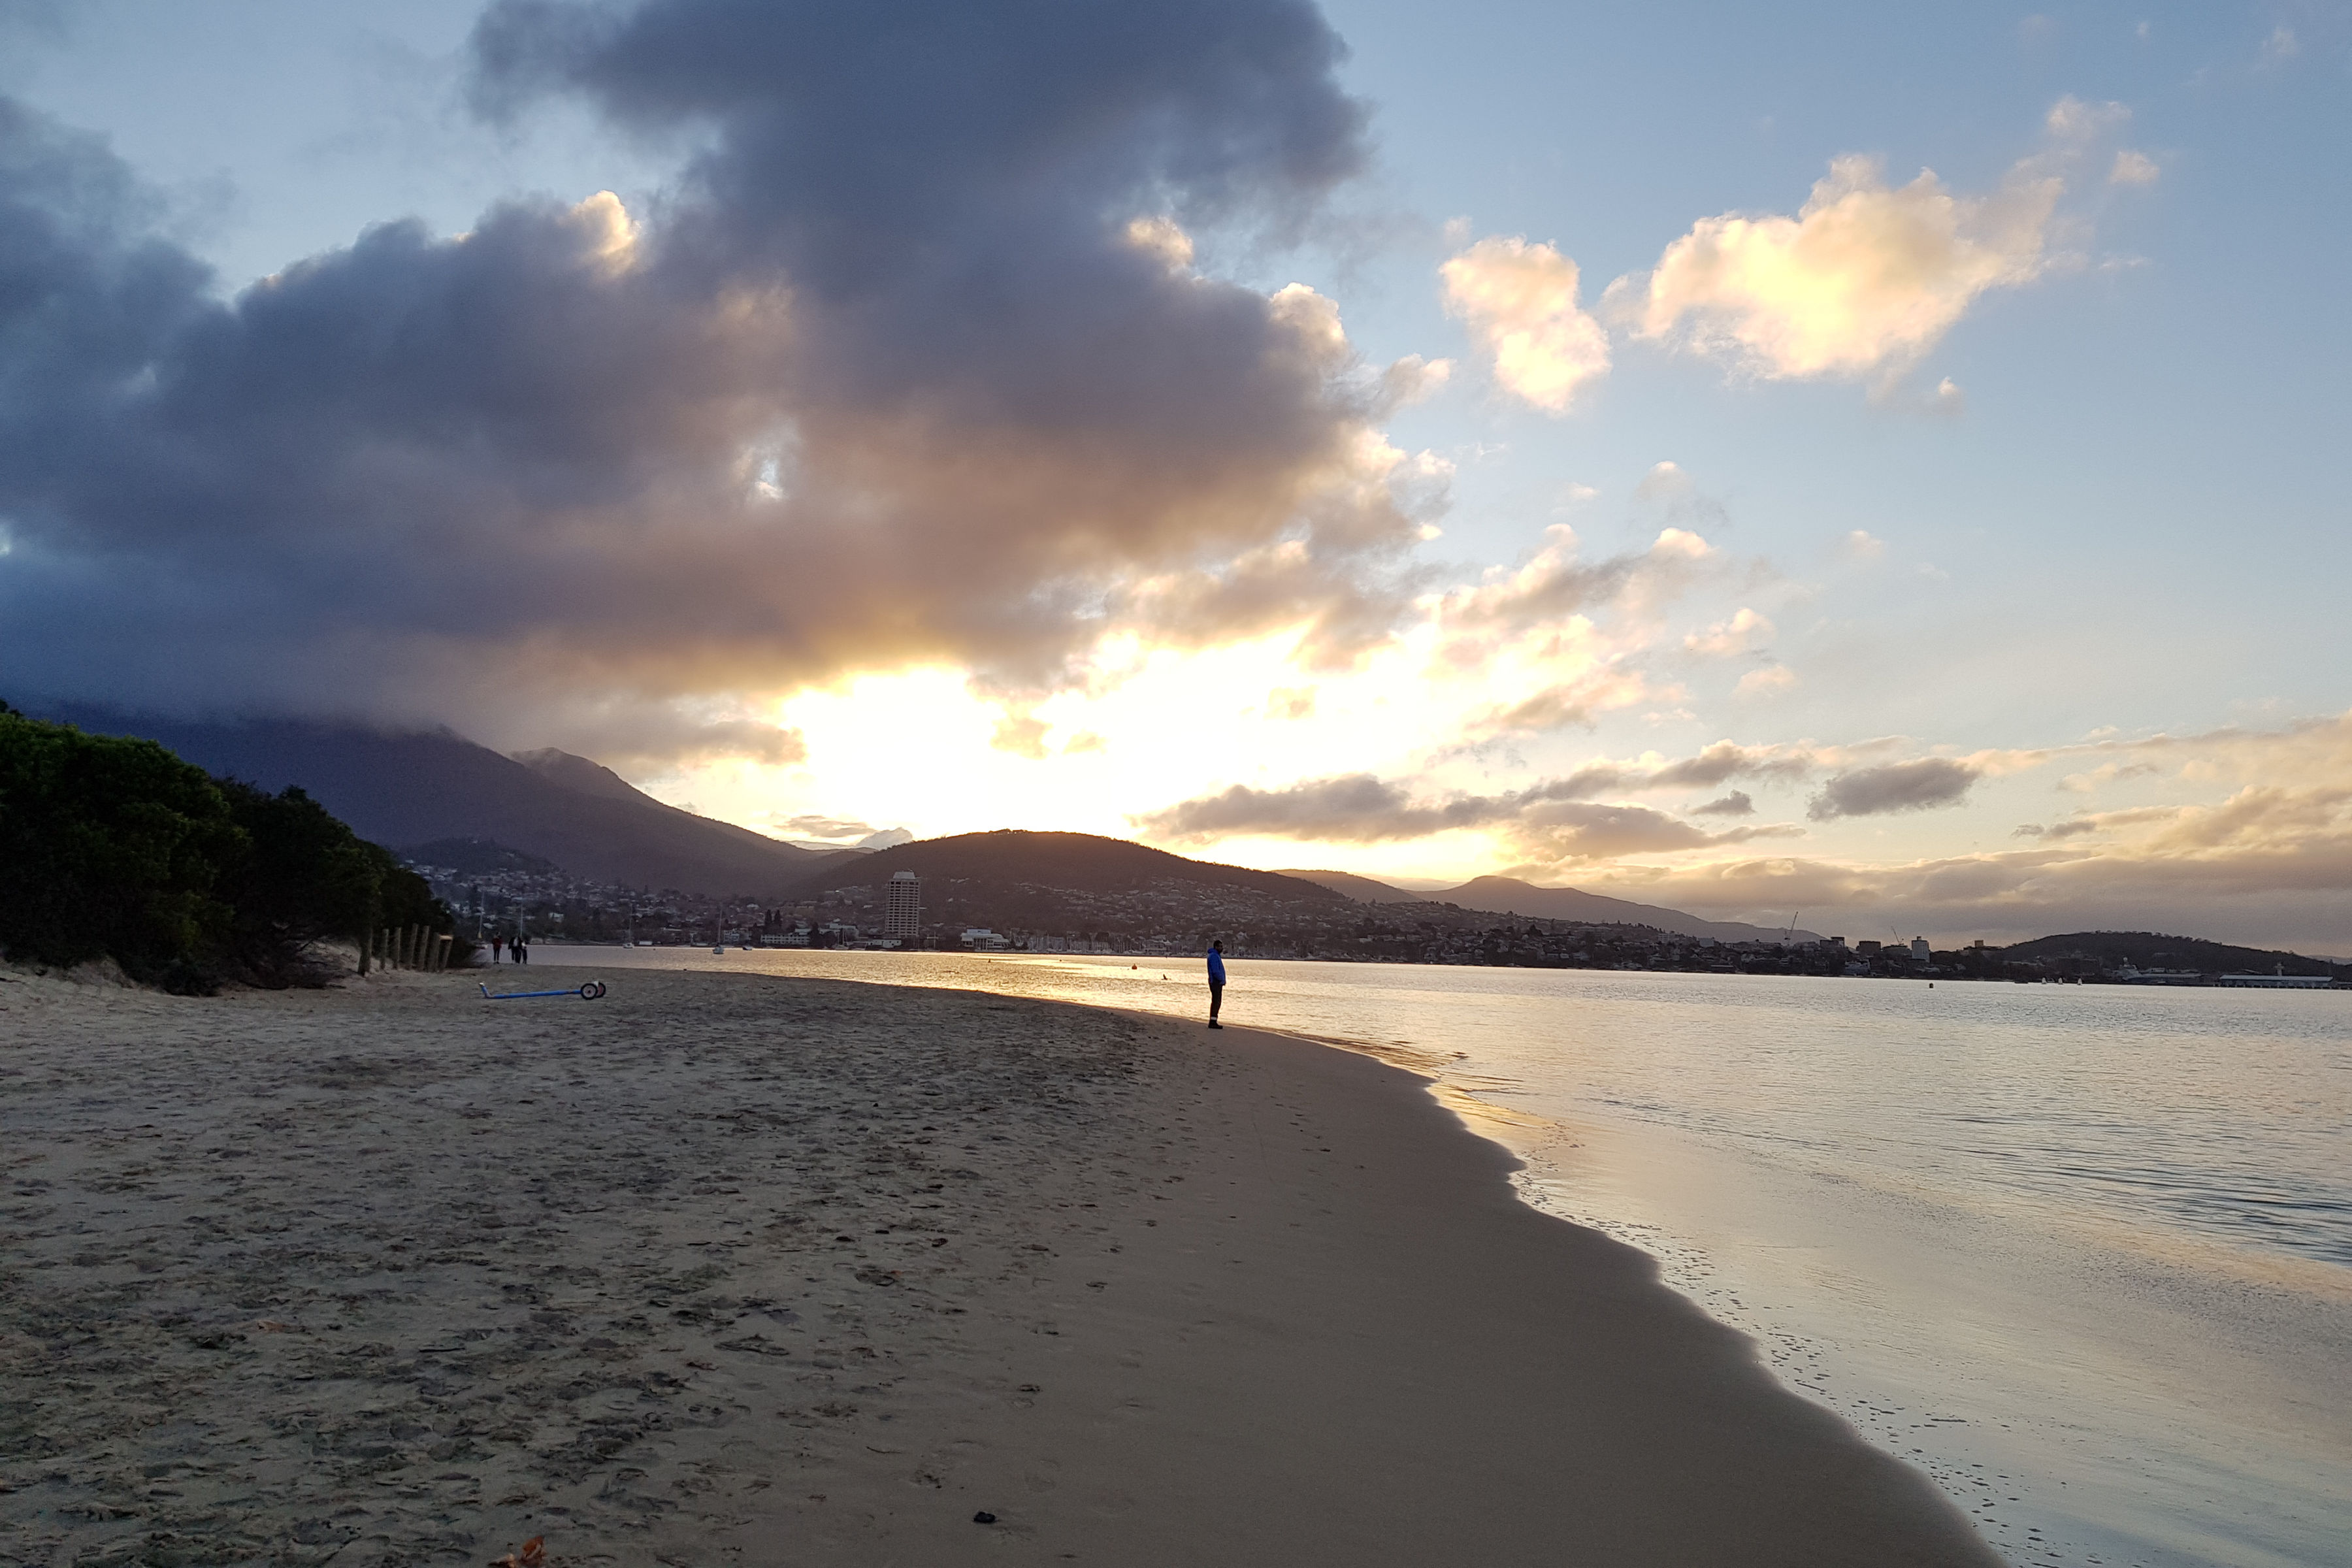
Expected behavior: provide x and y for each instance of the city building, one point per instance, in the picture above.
(902, 906)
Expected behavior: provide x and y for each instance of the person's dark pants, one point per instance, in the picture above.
(1216, 998)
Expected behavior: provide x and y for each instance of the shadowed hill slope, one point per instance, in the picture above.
(1364, 889)
(406, 790)
(2152, 950)
(1080, 862)
(1508, 895)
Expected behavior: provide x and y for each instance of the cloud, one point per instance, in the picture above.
(1022, 735)
(1915, 785)
(1725, 638)
(2132, 168)
(1607, 686)
(1865, 277)
(1365, 808)
(1769, 682)
(2271, 866)
(816, 824)
(1547, 823)
(1557, 583)
(1520, 300)
(1729, 759)
(1665, 481)
(628, 734)
(1735, 803)
(1559, 833)
(1290, 702)
(1555, 640)
(912, 364)
(1348, 809)
(1861, 544)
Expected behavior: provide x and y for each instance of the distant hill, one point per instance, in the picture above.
(1509, 896)
(1364, 889)
(477, 857)
(1078, 881)
(2153, 950)
(1081, 862)
(407, 791)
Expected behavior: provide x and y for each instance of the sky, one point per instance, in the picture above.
(1879, 468)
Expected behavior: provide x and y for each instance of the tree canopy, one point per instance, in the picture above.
(112, 847)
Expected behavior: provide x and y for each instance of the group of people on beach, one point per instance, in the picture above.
(515, 944)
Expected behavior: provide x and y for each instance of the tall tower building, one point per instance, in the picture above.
(902, 906)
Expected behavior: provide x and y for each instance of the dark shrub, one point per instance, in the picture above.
(109, 845)
(116, 847)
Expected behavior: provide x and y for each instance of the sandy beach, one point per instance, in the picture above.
(724, 1268)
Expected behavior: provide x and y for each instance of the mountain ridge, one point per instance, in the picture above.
(418, 787)
(1081, 862)
(1510, 896)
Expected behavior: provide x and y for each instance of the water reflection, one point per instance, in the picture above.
(2080, 1252)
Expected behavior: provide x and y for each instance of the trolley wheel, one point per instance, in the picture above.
(590, 991)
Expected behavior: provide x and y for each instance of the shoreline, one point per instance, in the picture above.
(2085, 1389)
(1276, 1300)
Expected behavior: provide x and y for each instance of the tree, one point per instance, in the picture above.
(112, 847)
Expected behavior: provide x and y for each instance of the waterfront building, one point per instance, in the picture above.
(902, 906)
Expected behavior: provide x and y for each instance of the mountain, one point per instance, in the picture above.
(1079, 882)
(2150, 950)
(477, 857)
(1509, 896)
(403, 791)
(1364, 889)
(580, 775)
(1079, 862)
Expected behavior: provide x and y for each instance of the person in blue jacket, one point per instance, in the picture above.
(1216, 981)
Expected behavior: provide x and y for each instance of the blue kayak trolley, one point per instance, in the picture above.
(587, 992)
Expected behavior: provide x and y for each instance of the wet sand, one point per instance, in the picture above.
(746, 1270)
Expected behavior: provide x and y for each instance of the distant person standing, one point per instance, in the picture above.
(1216, 981)
(522, 951)
(497, 952)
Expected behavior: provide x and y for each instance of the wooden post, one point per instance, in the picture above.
(408, 947)
(443, 948)
(367, 940)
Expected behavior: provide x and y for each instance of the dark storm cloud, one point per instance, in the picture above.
(1894, 786)
(908, 366)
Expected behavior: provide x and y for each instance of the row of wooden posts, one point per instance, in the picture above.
(405, 947)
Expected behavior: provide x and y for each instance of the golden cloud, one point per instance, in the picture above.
(1864, 277)
(1520, 300)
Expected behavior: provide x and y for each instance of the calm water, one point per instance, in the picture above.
(2082, 1252)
